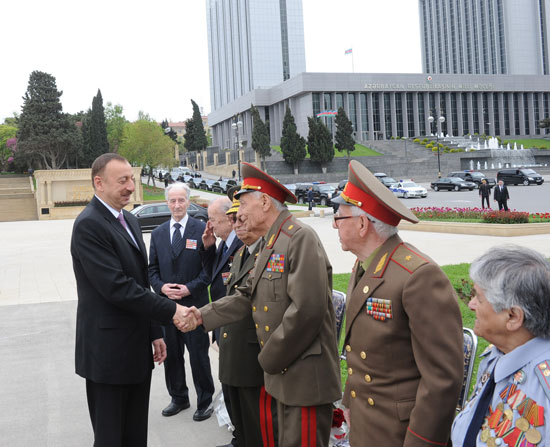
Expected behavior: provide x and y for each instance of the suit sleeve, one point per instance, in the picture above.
(154, 267)
(202, 281)
(437, 342)
(302, 320)
(101, 264)
(208, 259)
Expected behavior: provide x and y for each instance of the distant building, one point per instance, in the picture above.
(252, 44)
(485, 36)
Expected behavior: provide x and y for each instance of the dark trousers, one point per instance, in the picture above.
(304, 426)
(119, 413)
(483, 200)
(197, 343)
(254, 415)
(503, 205)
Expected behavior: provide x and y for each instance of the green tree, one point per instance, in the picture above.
(145, 144)
(170, 132)
(114, 117)
(319, 142)
(12, 120)
(7, 144)
(544, 123)
(195, 136)
(292, 144)
(260, 136)
(344, 133)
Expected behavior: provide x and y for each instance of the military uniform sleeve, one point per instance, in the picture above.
(226, 310)
(308, 286)
(437, 342)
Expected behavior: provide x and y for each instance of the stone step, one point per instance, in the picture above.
(10, 191)
(18, 207)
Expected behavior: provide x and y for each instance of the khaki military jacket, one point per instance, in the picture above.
(290, 295)
(239, 347)
(404, 348)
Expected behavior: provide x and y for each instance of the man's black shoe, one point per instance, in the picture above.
(201, 415)
(175, 408)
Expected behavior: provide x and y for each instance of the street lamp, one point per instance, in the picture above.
(441, 120)
(236, 125)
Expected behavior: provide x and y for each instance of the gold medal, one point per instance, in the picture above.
(533, 436)
(491, 442)
(485, 435)
(509, 414)
(522, 424)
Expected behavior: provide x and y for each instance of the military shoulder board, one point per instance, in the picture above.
(542, 370)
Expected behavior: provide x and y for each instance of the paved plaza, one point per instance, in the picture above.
(43, 402)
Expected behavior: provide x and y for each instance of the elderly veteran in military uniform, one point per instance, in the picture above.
(511, 400)
(253, 410)
(289, 293)
(403, 338)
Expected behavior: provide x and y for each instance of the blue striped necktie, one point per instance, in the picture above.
(177, 240)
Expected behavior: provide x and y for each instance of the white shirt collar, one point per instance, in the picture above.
(230, 238)
(253, 246)
(113, 211)
(182, 222)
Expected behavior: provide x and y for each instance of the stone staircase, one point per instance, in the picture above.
(17, 201)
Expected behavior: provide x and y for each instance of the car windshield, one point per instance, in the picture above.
(409, 185)
(326, 188)
(478, 175)
(528, 171)
(456, 180)
(389, 180)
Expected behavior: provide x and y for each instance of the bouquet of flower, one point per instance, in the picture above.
(339, 430)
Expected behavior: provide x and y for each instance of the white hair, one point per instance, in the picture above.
(382, 229)
(177, 185)
(278, 205)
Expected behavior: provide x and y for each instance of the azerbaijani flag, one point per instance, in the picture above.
(348, 51)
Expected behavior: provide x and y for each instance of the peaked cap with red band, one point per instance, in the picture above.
(255, 179)
(365, 191)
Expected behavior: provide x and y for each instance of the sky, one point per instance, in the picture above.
(153, 56)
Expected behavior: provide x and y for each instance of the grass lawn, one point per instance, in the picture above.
(360, 151)
(152, 193)
(530, 143)
(455, 274)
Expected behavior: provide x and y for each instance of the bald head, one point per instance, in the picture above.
(221, 222)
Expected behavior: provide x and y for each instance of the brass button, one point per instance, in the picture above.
(267, 328)
(284, 370)
(270, 276)
(370, 400)
(225, 335)
(348, 348)
(257, 326)
(350, 371)
(253, 308)
(261, 342)
(353, 394)
(368, 378)
(236, 285)
(363, 355)
(366, 289)
(266, 308)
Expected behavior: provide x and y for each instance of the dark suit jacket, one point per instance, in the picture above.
(186, 268)
(239, 347)
(115, 304)
(501, 196)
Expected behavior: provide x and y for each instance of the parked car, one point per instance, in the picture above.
(220, 186)
(206, 184)
(151, 215)
(407, 189)
(387, 181)
(341, 186)
(322, 193)
(515, 176)
(473, 176)
(452, 184)
(192, 182)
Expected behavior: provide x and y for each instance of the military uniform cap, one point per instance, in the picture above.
(255, 179)
(231, 194)
(365, 191)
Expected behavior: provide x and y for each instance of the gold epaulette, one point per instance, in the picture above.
(408, 259)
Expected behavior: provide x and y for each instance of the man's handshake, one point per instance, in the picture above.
(187, 318)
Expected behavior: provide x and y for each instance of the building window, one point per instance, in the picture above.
(352, 110)
(387, 115)
(399, 114)
(496, 114)
(329, 121)
(465, 120)
(475, 113)
(526, 113)
(516, 113)
(376, 113)
(410, 114)
(421, 114)
(537, 112)
(501, 37)
(339, 100)
(316, 102)
(454, 116)
(364, 116)
(485, 112)
(506, 105)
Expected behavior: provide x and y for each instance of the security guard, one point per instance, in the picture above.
(253, 410)
(403, 326)
(289, 293)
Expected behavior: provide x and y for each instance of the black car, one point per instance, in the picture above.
(322, 193)
(341, 186)
(387, 181)
(452, 184)
(151, 215)
(206, 184)
(473, 176)
(515, 176)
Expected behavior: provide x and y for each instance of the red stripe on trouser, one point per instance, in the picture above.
(313, 426)
(269, 421)
(262, 416)
(305, 427)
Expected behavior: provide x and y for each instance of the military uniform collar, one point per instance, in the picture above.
(274, 231)
(509, 363)
(382, 257)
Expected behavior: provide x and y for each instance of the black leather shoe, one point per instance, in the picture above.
(175, 408)
(201, 415)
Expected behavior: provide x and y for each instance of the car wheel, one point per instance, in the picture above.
(526, 182)
(406, 195)
(457, 188)
(471, 189)
(436, 188)
(323, 201)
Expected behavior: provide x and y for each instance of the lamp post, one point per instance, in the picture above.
(238, 125)
(441, 120)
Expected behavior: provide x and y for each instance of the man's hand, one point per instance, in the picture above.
(174, 291)
(159, 351)
(184, 319)
(208, 237)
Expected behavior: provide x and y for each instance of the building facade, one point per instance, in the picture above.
(252, 44)
(382, 106)
(485, 36)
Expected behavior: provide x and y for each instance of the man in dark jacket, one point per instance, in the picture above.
(484, 193)
(501, 196)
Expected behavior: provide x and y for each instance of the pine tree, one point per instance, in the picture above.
(195, 136)
(319, 142)
(171, 132)
(94, 132)
(260, 136)
(344, 133)
(292, 144)
(45, 132)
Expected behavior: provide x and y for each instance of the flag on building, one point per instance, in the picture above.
(348, 51)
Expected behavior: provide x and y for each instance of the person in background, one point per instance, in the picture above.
(511, 399)
(310, 198)
(501, 196)
(484, 193)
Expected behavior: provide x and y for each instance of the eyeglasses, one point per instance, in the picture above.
(337, 218)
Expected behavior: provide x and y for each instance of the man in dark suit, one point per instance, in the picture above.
(114, 330)
(175, 271)
(501, 196)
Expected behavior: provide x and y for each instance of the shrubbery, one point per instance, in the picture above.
(484, 215)
(506, 217)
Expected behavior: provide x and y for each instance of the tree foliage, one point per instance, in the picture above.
(344, 133)
(7, 145)
(319, 141)
(170, 132)
(94, 132)
(260, 135)
(145, 144)
(544, 123)
(195, 136)
(45, 132)
(292, 144)
(115, 120)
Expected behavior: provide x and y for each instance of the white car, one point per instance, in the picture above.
(407, 189)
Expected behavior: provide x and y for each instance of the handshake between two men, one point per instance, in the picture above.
(187, 318)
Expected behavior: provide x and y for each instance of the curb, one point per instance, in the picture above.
(479, 229)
